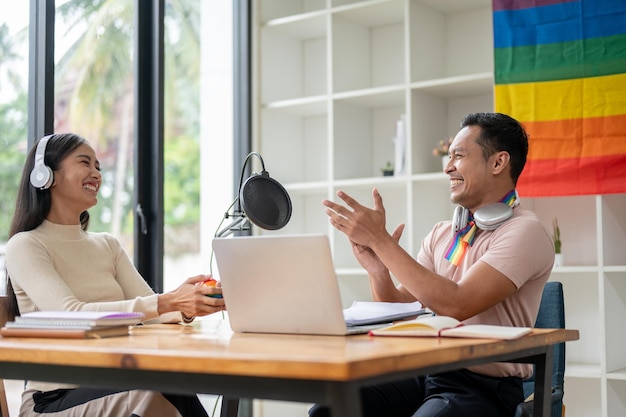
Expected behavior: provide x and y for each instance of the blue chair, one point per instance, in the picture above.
(551, 316)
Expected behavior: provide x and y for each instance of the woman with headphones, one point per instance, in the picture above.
(54, 263)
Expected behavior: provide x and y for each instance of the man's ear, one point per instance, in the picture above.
(500, 160)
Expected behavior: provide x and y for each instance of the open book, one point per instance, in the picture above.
(443, 326)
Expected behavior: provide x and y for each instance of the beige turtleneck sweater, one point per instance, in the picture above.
(60, 267)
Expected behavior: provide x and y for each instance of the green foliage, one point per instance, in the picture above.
(94, 80)
(13, 143)
(182, 181)
(556, 236)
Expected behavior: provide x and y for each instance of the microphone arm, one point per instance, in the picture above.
(241, 222)
(243, 173)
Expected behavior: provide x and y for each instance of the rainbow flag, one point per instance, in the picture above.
(560, 69)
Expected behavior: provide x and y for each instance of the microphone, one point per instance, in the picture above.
(261, 200)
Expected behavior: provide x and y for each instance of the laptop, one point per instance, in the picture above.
(283, 284)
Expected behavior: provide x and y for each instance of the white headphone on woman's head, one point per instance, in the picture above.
(41, 176)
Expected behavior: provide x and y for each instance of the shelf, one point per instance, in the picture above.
(582, 370)
(372, 13)
(619, 375)
(350, 271)
(278, 10)
(454, 6)
(334, 77)
(557, 270)
(370, 182)
(457, 86)
(374, 97)
(305, 106)
(304, 26)
(306, 187)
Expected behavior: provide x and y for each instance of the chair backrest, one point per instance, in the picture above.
(552, 316)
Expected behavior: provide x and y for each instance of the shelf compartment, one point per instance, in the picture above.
(361, 53)
(434, 118)
(582, 312)
(590, 390)
(613, 228)
(292, 59)
(307, 216)
(616, 398)
(303, 137)
(579, 238)
(615, 311)
(364, 127)
(431, 204)
(353, 288)
(443, 41)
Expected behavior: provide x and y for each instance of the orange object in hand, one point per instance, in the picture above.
(211, 283)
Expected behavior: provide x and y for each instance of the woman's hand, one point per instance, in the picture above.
(193, 298)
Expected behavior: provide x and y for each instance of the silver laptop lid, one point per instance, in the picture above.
(280, 284)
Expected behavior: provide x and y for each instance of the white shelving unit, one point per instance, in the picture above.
(331, 80)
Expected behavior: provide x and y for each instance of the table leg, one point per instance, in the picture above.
(542, 403)
(345, 400)
(230, 406)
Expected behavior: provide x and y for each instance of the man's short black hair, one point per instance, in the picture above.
(501, 132)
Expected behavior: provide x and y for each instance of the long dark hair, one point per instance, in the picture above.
(32, 205)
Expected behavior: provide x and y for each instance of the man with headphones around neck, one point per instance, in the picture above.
(487, 266)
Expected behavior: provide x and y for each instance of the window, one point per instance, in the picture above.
(94, 95)
(13, 112)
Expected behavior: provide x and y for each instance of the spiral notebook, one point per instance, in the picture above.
(287, 284)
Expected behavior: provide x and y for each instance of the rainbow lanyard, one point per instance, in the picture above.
(465, 237)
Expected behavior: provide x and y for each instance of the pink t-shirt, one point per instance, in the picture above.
(522, 250)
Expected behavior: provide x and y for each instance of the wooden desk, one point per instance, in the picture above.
(321, 369)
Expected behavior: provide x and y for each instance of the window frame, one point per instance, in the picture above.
(148, 113)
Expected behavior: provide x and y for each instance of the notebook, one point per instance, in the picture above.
(284, 284)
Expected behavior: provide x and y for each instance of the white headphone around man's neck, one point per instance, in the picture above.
(488, 217)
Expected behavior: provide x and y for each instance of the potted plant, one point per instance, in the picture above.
(442, 149)
(387, 170)
(556, 238)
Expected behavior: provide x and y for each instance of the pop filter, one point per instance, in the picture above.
(265, 201)
(261, 200)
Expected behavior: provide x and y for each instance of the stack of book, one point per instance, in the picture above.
(71, 324)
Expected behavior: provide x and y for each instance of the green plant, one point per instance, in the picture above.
(556, 236)
(387, 169)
